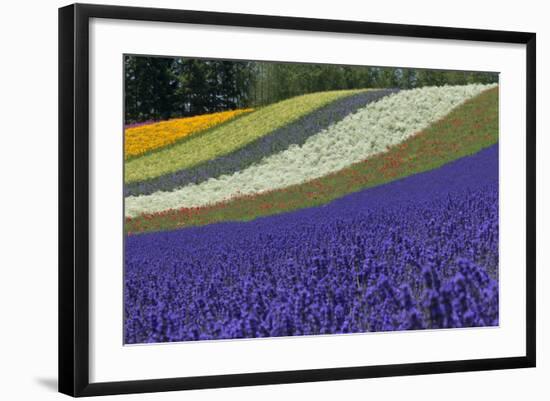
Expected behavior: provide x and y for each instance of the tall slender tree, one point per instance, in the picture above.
(160, 88)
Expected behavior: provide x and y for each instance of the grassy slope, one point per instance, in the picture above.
(466, 130)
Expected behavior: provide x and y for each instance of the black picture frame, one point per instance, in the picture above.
(74, 201)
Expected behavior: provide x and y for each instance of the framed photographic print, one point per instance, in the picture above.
(249, 199)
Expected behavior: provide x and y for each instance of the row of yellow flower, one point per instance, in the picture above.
(142, 139)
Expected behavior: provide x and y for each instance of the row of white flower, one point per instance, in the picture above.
(368, 131)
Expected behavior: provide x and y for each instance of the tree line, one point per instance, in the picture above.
(158, 88)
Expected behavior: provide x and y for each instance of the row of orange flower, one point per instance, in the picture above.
(145, 138)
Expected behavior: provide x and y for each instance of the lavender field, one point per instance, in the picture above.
(417, 253)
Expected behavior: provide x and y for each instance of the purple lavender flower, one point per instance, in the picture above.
(421, 252)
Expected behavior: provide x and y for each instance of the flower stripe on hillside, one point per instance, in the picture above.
(369, 131)
(295, 133)
(466, 130)
(141, 139)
